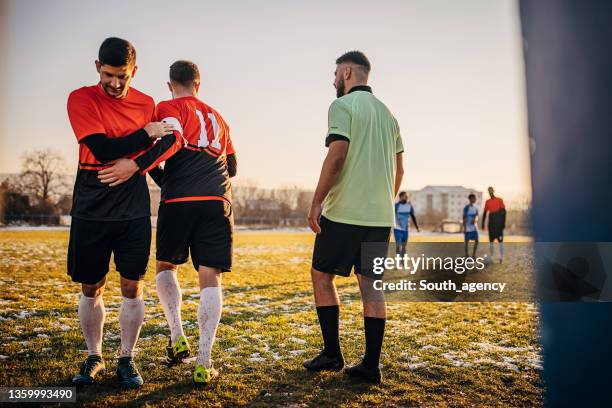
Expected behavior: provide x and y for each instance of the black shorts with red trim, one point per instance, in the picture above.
(92, 242)
(337, 248)
(203, 228)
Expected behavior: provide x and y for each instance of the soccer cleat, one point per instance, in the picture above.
(324, 362)
(128, 373)
(361, 372)
(89, 369)
(201, 375)
(177, 353)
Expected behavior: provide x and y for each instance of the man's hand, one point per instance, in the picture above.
(118, 173)
(156, 130)
(314, 215)
(418, 230)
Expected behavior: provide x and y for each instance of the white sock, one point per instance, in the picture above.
(131, 316)
(91, 316)
(209, 314)
(169, 293)
(501, 250)
(491, 250)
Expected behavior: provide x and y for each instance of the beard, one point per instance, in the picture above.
(113, 92)
(340, 89)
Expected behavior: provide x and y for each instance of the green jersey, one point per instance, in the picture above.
(364, 192)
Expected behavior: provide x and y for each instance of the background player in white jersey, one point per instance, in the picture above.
(403, 212)
(470, 225)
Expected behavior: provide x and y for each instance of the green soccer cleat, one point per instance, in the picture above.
(128, 373)
(88, 371)
(177, 353)
(202, 375)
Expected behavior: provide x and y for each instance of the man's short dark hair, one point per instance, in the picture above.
(472, 195)
(356, 57)
(402, 193)
(185, 73)
(117, 52)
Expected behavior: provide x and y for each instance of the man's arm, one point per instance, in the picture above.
(157, 174)
(484, 217)
(332, 166)
(106, 148)
(399, 171)
(414, 221)
(232, 165)
(123, 169)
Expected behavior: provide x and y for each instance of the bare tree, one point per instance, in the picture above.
(42, 175)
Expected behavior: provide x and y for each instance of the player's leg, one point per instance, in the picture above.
(335, 249)
(475, 244)
(170, 297)
(374, 309)
(132, 244)
(91, 315)
(174, 226)
(404, 242)
(500, 240)
(397, 235)
(209, 315)
(89, 254)
(327, 305)
(466, 243)
(211, 251)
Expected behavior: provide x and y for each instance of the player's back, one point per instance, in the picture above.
(364, 191)
(198, 171)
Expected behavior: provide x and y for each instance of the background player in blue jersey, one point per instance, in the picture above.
(470, 226)
(403, 211)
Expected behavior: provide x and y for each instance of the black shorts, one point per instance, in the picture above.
(337, 247)
(204, 228)
(496, 233)
(92, 242)
(496, 226)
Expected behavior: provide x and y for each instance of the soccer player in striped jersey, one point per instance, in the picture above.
(195, 213)
(403, 211)
(470, 224)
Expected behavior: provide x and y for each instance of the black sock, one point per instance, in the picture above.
(374, 333)
(329, 321)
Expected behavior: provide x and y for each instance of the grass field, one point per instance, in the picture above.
(435, 354)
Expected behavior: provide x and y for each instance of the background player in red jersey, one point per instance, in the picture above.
(497, 222)
(195, 212)
(110, 120)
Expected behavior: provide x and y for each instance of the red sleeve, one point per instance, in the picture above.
(167, 146)
(84, 115)
(169, 113)
(229, 149)
(229, 146)
(487, 205)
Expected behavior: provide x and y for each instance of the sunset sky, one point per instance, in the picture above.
(450, 71)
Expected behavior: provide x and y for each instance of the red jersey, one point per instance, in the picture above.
(92, 111)
(195, 155)
(494, 205)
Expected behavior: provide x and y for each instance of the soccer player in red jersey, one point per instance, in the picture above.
(111, 120)
(195, 213)
(497, 222)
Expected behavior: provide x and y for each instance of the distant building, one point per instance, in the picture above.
(447, 201)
